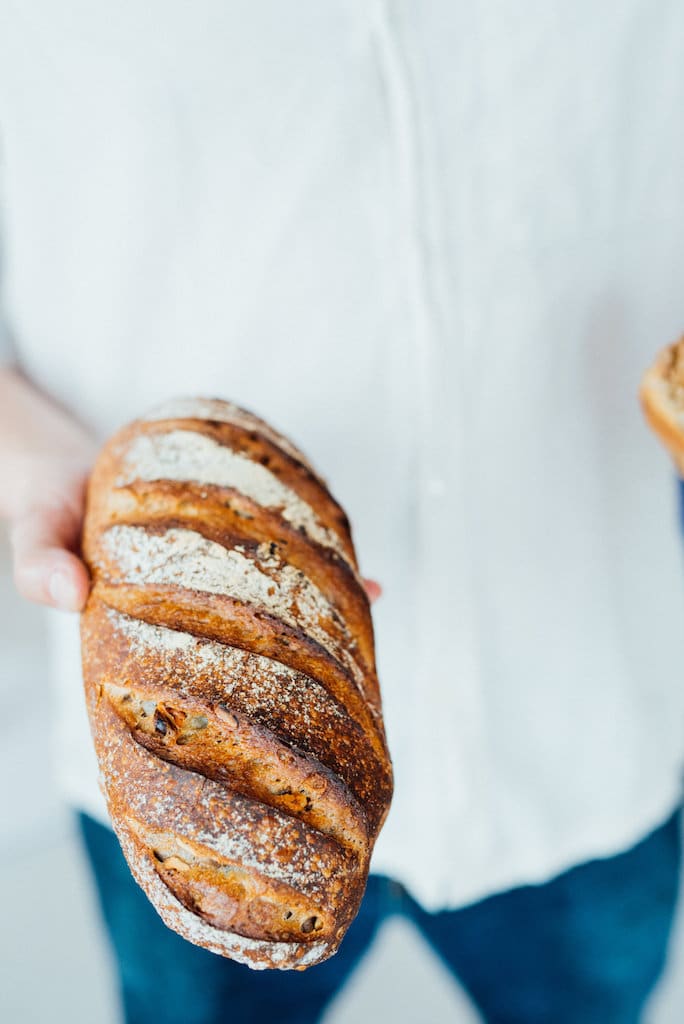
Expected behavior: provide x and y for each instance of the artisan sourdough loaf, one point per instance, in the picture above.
(662, 398)
(231, 683)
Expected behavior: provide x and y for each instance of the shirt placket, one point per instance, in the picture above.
(446, 712)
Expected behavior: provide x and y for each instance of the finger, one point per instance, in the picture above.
(373, 589)
(44, 569)
(56, 578)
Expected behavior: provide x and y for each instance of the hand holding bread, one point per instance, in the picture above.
(45, 457)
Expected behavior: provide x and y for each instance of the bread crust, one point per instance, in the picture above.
(662, 400)
(231, 685)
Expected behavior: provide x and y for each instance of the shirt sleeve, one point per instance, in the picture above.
(7, 351)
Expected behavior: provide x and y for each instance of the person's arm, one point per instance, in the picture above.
(45, 457)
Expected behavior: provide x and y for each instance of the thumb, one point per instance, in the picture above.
(45, 569)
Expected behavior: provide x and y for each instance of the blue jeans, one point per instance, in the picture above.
(584, 948)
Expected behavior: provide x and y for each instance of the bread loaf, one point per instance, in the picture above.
(231, 683)
(662, 398)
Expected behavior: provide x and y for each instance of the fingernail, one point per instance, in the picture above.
(63, 592)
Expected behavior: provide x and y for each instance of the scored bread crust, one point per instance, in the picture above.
(231, 683)
(662, 399)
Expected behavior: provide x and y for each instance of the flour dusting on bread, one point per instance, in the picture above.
(186, 455)
(184, 558)
(226, 412)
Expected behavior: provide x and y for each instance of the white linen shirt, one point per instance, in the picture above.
(436, 244)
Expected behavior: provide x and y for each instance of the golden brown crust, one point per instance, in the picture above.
(226, 620)
(294, 474)
(226, 841)
(294, 708)
(231, 685)
(230, 518)
(662, 399)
